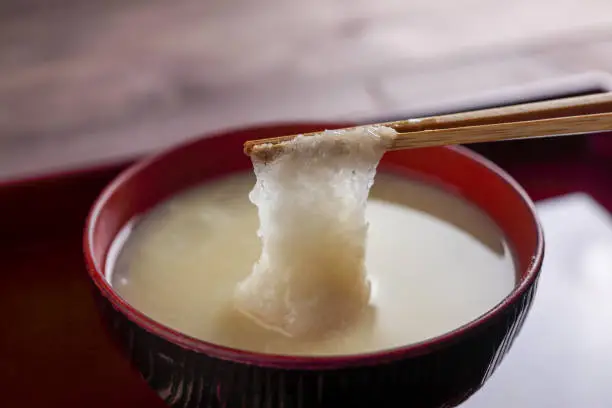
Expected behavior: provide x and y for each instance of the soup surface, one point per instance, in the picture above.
(435, 262)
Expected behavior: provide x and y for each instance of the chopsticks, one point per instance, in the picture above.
(576, 115)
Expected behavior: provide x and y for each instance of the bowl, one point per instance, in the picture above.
(187, 372)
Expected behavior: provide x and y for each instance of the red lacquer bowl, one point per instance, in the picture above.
(187, 372)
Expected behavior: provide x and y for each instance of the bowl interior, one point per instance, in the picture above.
(152, 181)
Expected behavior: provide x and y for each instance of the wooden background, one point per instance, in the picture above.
(91, 81)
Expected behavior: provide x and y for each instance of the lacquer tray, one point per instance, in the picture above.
(53, 353)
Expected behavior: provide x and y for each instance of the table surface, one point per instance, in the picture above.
(90, 81)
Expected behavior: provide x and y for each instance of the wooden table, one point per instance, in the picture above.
(84, 82)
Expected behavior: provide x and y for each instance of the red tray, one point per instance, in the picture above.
(54, 353)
